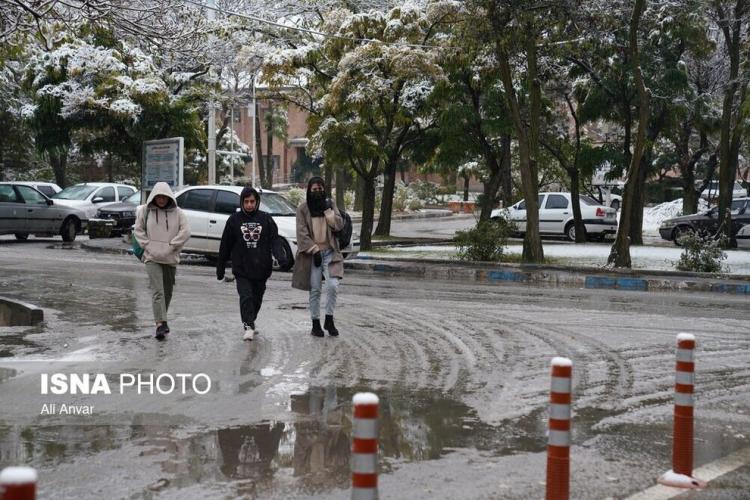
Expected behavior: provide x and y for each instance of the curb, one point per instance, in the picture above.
(592, 278)
(556, 276)
(16, 313)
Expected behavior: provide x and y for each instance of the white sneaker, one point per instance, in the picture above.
(249, 333)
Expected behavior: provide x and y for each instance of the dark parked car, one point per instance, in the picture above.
(705, 222)
(122, 214)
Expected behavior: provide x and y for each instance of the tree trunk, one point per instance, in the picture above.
(728, 142)
(258, 146)
(466, 187)
(575, 191)
(58, 163)
(506, 183)
(359, 192)
(368, 211)
(340, 187)
(386, 204)
(619, 255)
(532, 243)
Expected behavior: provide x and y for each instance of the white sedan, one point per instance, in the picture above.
(89, 197)
(207, 209)
(743, 237)
(556, 216)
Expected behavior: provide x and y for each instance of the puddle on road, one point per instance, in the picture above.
(309, 452)
(312, 447)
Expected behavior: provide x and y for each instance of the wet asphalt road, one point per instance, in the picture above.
(461, 369)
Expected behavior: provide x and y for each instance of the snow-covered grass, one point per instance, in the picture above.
(591, 254)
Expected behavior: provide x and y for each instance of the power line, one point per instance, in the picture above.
(306, 30)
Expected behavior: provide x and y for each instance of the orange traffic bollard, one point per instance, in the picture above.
(558, 442)
(681, 475)
(18, 483)
(365, 446)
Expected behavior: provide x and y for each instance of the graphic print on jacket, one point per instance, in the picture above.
(251, 232)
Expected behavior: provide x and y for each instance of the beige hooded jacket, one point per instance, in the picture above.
(167, 230)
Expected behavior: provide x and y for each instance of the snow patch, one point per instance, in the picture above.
(559, 361)
(365, 398)
(18, 475)
(685, 336)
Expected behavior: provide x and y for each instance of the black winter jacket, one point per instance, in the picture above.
(248, 241)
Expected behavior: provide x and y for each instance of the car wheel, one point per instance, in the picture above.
(289, 257)
(680, 232)
(69, 229)
(22, 236)
(615, 204)
(570, 231)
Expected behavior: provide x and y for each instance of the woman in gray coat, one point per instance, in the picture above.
(318, 253)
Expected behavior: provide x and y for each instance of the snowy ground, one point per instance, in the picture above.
(659, 258)
(590, 254)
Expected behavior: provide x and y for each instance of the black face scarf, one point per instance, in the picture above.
(316, 201)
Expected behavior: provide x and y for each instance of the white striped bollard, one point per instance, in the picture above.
(681, 475)
(558, 442)
(365, 446)
(18, 483)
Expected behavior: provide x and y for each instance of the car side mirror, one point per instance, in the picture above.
(50, 202)
(98, 199)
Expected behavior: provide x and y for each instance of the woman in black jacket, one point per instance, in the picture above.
(249, 240)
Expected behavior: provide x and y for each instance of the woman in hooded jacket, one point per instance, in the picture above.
(161, 229)
(318, 253)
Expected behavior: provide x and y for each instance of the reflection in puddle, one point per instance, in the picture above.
(307, 454)
(313, 448)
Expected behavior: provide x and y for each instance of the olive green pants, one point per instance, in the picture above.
(161, 281)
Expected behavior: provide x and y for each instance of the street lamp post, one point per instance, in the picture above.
(255, 112)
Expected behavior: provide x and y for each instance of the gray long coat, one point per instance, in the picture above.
(305, 241)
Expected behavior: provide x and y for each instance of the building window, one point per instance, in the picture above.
(276, 159)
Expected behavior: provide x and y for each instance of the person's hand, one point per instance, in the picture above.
(219, 274)
(317, 259)
(329, 203)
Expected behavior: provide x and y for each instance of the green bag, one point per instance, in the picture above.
(137, 248)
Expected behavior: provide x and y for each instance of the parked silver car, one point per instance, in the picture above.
(25, 211)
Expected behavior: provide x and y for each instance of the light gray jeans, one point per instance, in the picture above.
(316, 285)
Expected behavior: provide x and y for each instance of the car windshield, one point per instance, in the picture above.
(77, 192)
(275, 204)
(132, 198)
(588, 200)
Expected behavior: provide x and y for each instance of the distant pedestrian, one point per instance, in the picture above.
(318, 253)
(250, 240)
(162, 230)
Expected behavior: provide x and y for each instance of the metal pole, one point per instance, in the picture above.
(255, 112)
(211, 117)
(211, 144)
(231, 145)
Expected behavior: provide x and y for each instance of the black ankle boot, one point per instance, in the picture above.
(317, 331)
(328, 325)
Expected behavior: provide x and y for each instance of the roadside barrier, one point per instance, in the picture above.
(681, 475)
(365, 446)
(18, 483)
(558, 442)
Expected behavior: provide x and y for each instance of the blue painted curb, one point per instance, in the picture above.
(506, 276)
(633, 284)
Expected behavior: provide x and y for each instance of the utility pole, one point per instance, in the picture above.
(231, 144)
(211, 4)
(255, 110)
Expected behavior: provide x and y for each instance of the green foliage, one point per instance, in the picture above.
(702, 253)
(485, 242)
(295, 196)
(425, 191)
